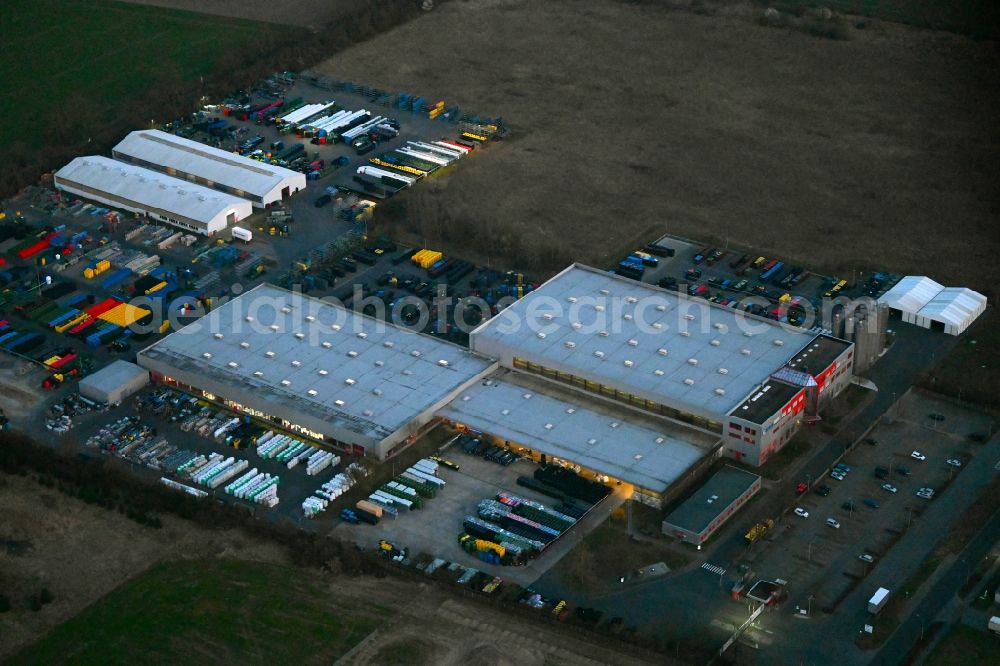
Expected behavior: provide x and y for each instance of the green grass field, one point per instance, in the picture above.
(964, 646)
(976, 18)
(220, 611)
(62, 55)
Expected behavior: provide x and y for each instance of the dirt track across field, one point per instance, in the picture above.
(878, 152)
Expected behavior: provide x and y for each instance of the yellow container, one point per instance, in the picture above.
(430, 259)
(124, 315)
(165, 326)
(89, 273)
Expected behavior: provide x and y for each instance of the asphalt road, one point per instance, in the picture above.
(896, 649)
(811, 644)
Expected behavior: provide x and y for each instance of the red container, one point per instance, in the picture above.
(33, 249)
(103, 306)
(226, 111)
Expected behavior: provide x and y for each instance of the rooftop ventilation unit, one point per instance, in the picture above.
(747, 334)
(570, 410)
(719, 326)
(379, 364)
(631, 299)
(778, 343)
(657, 325)
(207, 355)
(286, 309)
(218, 336)
(526, 396)
(658, 373)
(339, 403)
(603, 334)
(661, 308)
(627, 317)
(407, 372)
(362, 335)
(692, 361)
(571, 299)
(466, 398)
(745, 351)
(285, 382)
(505, 412)
(376, 391)
(258, 373)
(615, 424)
(591, 441)
(244, 345)
(296, 364)
(541, 335)
(312, 393)
(368, 412)
(352, 354)
(335, 327)
(628, 363)
(549, 426)
(350, 382)
(274, 327)
(248, 318)
(310, 318)
(637, 457)
(633, 343)
(599, 354)
(686, 334)
(269, 354)
(689, 317)
(569, 344)
(388, 344)
(599, 308)
(660, 440)
(715, 343)
(720, 391)
(322, 373)
(415, 353)
(723, 371)
(605, 292)
(689, 381)
(443, 363)
(547, 316)
(576, 325)
(327, 345)
(300, 336)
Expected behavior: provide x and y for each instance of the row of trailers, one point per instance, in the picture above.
(325, 123)
(400, 168)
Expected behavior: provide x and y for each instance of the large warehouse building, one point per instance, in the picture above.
(679, 357)
(315, 369)
(261, 184)
(917, 299)
(150, 193)
(549, 424)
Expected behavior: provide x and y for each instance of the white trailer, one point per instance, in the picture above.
(878, 601)
(242, 234)
(375, 172)
(437, 150)
(318, 123)
(350, 134)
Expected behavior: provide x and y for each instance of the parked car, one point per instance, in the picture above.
(954, 462)
(872, 503)
(801, 488)
(823, 491)
(881, 473)
(843, 467)
(837, 474)
(917, 455)
(801, 513)
(889, 487)
(833, 523)
(865, 557)
(934, 416)
(870, 441)
(904, 471)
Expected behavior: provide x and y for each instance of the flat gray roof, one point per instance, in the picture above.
(303, 355)
(762, 404)
(650, 453)
(696, 512)
(661, 345)
(214, 164)
(114, 375)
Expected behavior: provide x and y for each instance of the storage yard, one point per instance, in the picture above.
(306, 303)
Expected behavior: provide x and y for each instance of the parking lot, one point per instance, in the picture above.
(825, 562)
(434, 529)
(731, 276)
